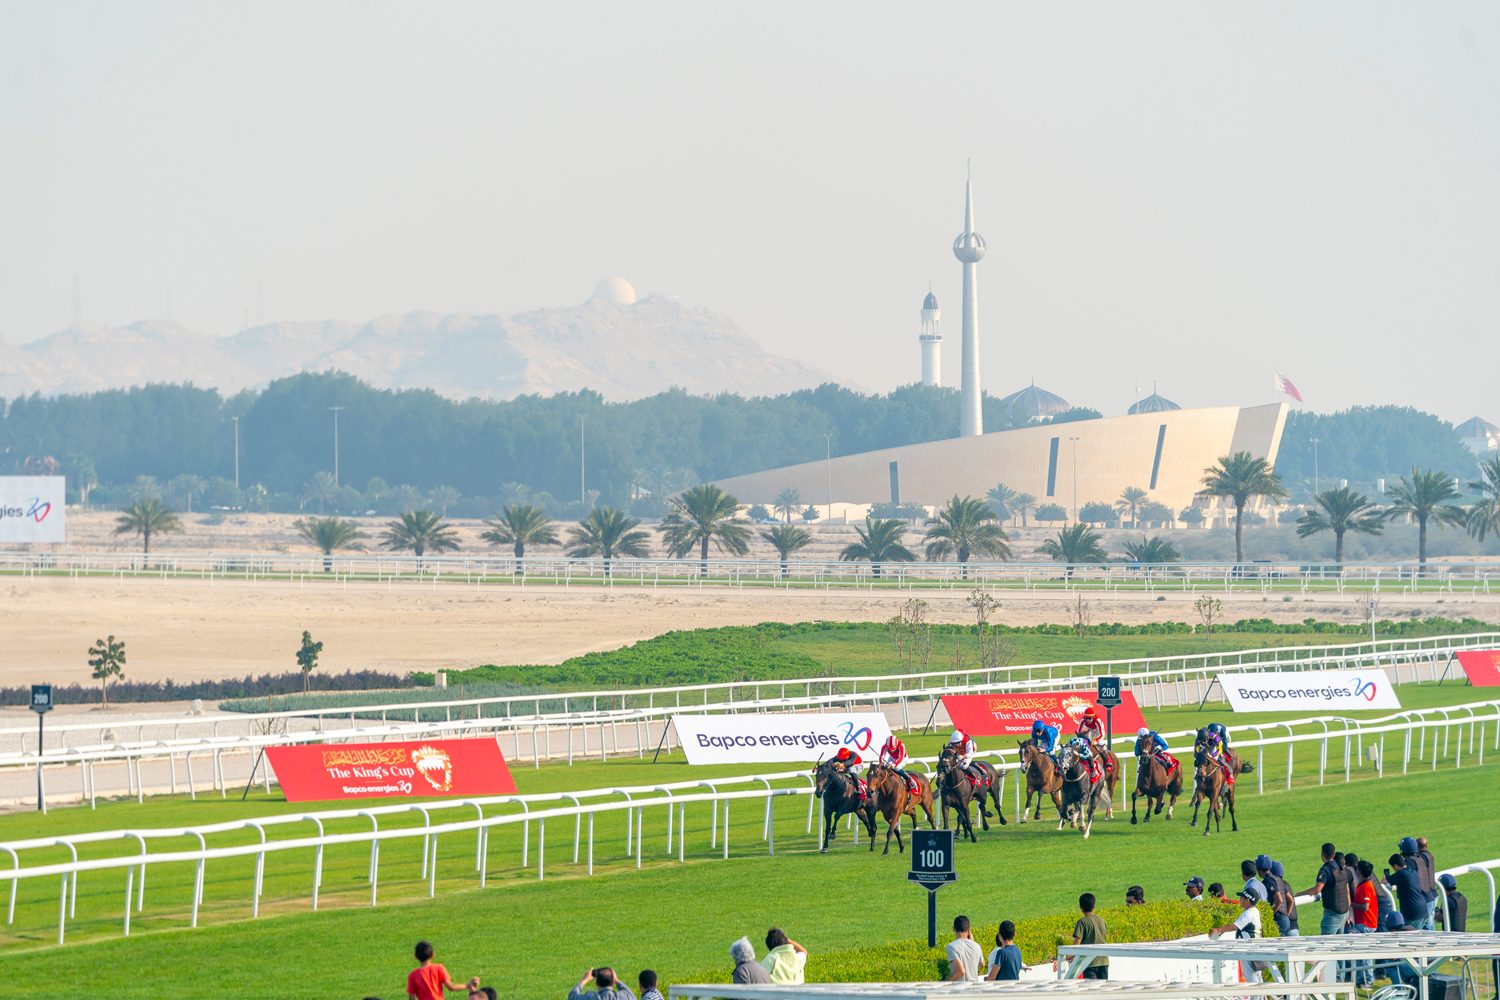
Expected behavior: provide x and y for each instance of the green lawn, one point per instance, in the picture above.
(677, 918)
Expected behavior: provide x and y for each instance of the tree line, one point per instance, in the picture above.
(405, 450)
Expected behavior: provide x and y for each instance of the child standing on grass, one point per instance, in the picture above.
(429, 979)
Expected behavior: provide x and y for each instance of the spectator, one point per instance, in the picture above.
(1194, 888)
(746, 969)
(785, 958)
(1291, 900)
(607, 986)
(1383, 902)
(1408, 886)
(1246, 925)
(1005, 960)
(1429, 881)
(1275, 898)
(1365, 911)
(484, 993)
(1252, 884)
(1135, 896)
(1090, 929)
(647, 981)
(1333, 886)
(429, 979)
(964, 954)
(1455, 912)
(1216, 891)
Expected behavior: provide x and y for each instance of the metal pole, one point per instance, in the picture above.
(41, 805)
(335, 410)
(828, 467)
(236, 453)
(583, 496)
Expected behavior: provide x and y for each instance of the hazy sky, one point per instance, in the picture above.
(1188, 192)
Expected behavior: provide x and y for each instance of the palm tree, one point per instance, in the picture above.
(405, 498)
(786, 539)
(1002, 500)
(1239, 477)
(147, 518)
(607, 532)
(329, 533)
(1343, 510)
(1023, 503)
(1424, 497)
(419, 531)
(701, 515)
(1484, 516)
(1151, 551)
(1076, 543)
(966, 527)
(443, 497)
(322, 488)
(145, 488)
(879, 542)
(520, 525)
(185, 486)
(1131, 499)
(788, 502)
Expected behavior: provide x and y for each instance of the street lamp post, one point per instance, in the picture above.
(236, 453)
(583, 496)
(335, 410)
(828, 467)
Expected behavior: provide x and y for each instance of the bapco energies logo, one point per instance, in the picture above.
(36, 508)
(861, 738)
(1365, 688)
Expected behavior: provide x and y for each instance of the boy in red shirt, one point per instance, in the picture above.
(1365, 913)
(429, 979)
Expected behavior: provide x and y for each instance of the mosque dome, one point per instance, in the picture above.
(615, 291)
(930, 302)
(1032, 403)
(1153, 403)
(1477, 427)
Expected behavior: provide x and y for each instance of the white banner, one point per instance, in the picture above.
(31, 509)
(1315, 690)
(735, 739)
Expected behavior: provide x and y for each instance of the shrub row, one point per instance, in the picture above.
(264, 686)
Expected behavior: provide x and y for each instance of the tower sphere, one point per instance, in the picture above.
(616, 291)
(969, 247)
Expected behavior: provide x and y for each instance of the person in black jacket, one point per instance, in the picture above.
(1455, 911)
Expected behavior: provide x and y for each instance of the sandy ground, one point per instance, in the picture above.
(186, 629)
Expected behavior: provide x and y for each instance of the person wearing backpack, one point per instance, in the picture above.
(1334, 886)
(1275, 895)
(1294, 930)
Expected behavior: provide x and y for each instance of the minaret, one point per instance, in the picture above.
(931, 341)
(969, 248)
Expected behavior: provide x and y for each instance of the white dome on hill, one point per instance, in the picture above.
(616, 291)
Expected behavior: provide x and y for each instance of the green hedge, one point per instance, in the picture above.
(1038, 937)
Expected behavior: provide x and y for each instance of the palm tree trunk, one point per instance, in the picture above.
(876, 567)
(146, 542)
(703, 556)
(1421, 541)
(1338, 547)
(1239, 533)
(520, 553)
(786, 569)
(606, 567)
(328, 560)
(104, 696)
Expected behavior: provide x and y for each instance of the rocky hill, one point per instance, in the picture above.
(617, 346)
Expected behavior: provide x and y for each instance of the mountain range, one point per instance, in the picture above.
(622, 350)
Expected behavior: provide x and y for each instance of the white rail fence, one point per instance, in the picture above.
(1183, 679)
(663, 800)
(550, 571)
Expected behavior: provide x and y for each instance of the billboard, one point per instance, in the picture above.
(1310, 690)
(1004, 714)
(31, 509)
(735, 739)
(1481, 666)
(319, 772)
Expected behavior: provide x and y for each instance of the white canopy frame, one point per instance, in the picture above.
(1020, 990)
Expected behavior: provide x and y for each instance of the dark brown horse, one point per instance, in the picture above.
(1211, 783)
(1111, 764)
(840, 794)
(893, 799)
(1157, 784)
(1042, 778)
(958, 791)
(1081, 795)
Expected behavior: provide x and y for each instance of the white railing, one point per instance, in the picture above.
(1176, 684)
(556, 570)
(634, 802)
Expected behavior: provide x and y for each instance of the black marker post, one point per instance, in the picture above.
(41, 704)
(1108, 698)
(932, 868)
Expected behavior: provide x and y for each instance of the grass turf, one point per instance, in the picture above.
(676, 918)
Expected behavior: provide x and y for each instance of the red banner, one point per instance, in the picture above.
(1001, 714)
(1482, 666)
(322, 771)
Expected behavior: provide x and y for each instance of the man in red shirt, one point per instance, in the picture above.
(1364, 909)
(429, 979)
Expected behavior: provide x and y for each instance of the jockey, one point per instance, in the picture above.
(847, 759)
(963, 744)
(1150, 743)
(1089, 727)
(1045, 737)
(893, 755)
(1217, 729)
(1216, 750)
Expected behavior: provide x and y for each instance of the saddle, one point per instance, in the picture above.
(1096, 771)
(977, 780)
(1168, 761)
(864, 789)
(912, 786)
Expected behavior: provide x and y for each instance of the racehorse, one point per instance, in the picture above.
(1154, 782)
(1042, 778)
(893, 799)
(958, 791)
(1211, 783)
(1236, 766)
(840, 794)
(1080, 793)
(1111, 764)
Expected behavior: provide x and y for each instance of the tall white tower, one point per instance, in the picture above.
(931, 341)
(969, 248)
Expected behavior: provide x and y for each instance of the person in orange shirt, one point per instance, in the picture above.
(429, 979)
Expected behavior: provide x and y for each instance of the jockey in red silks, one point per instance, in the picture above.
(1092, 730)
(963, 744)
(849, 760)
(893, 755)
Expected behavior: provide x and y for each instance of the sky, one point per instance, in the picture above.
(1183, 194)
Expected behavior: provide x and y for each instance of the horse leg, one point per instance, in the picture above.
(968, 820)
(999, 809)
(1133, 793)
(927, 808)
(1172, 804)
(1197, 798)
(984, 811)
(1234, 824)
(944, 806)
(867, 817)
(1026, 809)
(828, 825)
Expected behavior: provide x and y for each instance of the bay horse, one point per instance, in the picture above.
(1156, 783)
(1111, 763)
(1238, 766)
(840, 794)
(893, 800)
(958, 791)
(1211, 783)
(1080, 793)
(1042, 778)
